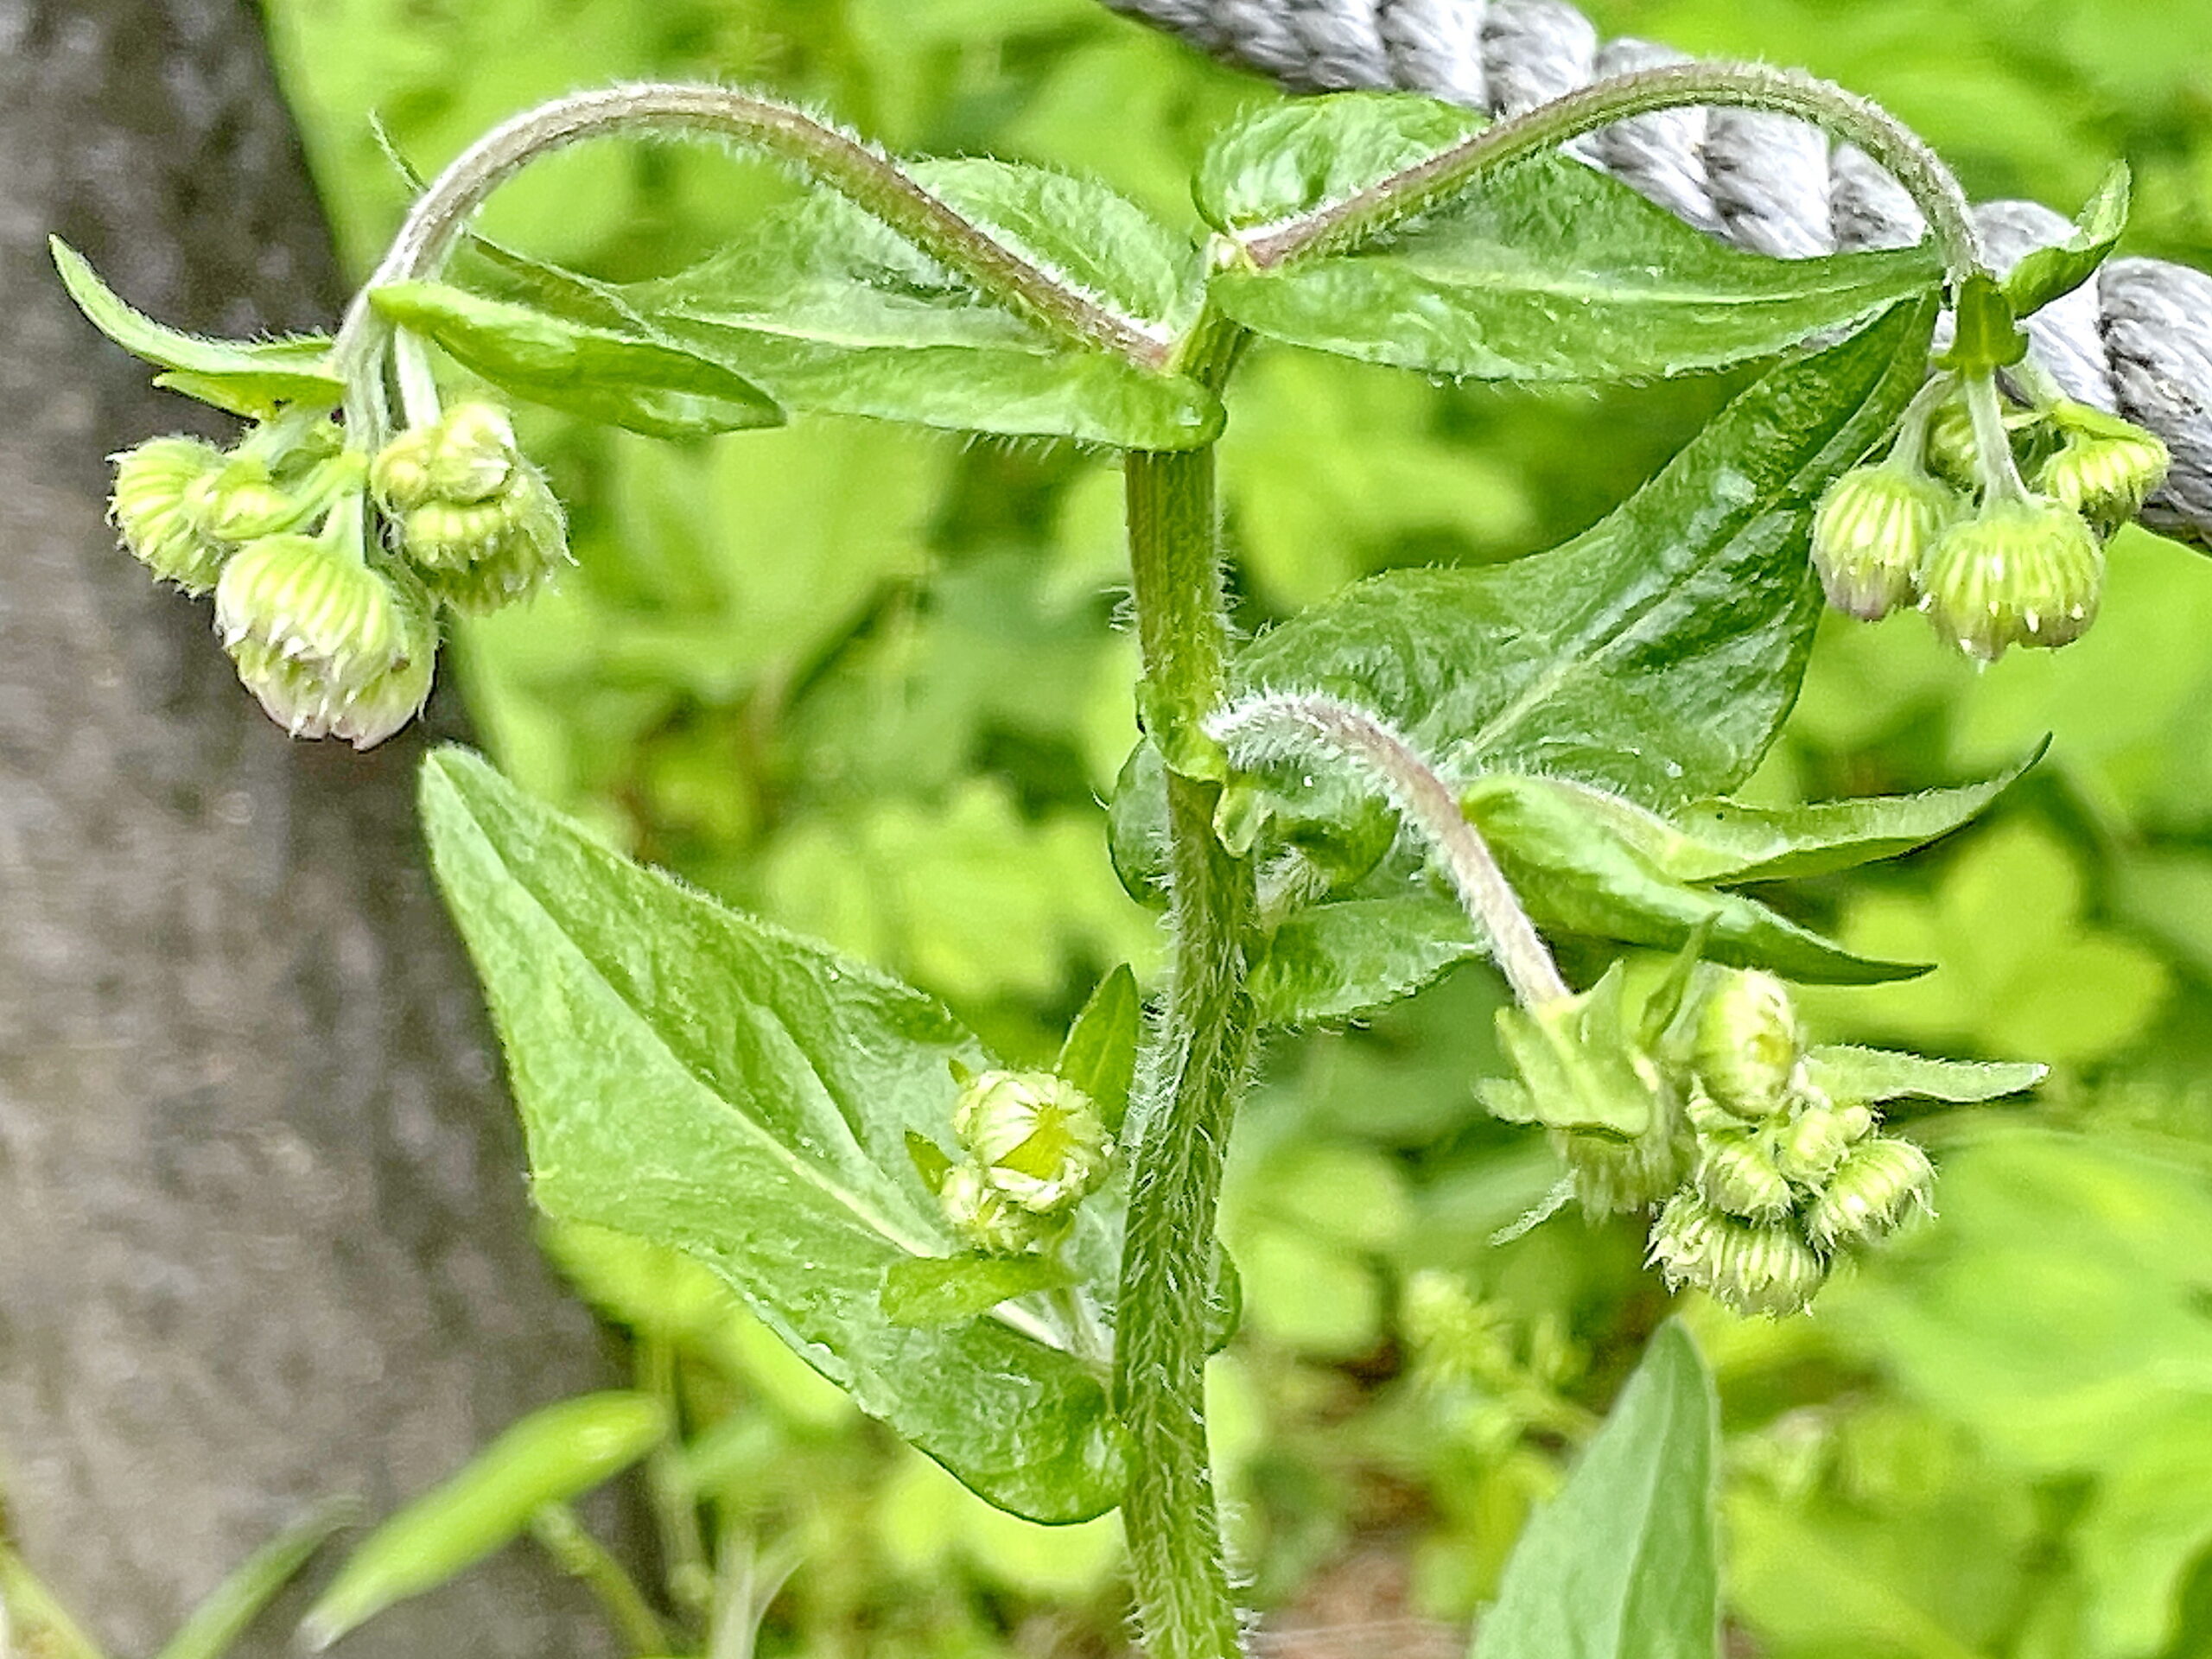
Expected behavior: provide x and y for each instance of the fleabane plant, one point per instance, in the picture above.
(1016, 1269)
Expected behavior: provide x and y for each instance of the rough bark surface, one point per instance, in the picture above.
(264, 1235)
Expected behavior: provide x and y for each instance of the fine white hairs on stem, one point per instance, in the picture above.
(1283, 724)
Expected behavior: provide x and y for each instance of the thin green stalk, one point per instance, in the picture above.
(675, 1505)
(579, 1555)
(1427, 185)
(1185, 1605)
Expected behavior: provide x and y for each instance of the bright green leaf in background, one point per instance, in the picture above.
(2015, 967)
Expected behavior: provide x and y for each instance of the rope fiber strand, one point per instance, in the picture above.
(2136, 340)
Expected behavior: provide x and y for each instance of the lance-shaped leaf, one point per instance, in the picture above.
(1654, 655)
(1846, 1072)
(1551, 271)
(1576, 872)
(1624, 1562)
(1725, 840)
(699, 1079)
(249, 377)
(1100, 1054)
(604, 373)
(2052, 273)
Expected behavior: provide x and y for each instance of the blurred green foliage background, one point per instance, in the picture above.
(867, 681)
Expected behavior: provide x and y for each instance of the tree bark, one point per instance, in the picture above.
(263, 1236)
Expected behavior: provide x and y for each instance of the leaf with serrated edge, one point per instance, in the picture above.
(693, 1077)
(1846, 1072)
(1550, 272)
(1655, 654)
(947, 1290)
(1624, 1562)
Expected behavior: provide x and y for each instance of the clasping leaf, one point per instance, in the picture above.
(699, 1079)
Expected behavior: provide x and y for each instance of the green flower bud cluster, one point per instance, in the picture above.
(477, 521)
(1992, 563)
(1035, 1147)
(335, 633)
(1783, 1181)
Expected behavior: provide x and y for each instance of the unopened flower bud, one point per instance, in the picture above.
(1749, 1267)
(1876, 1185)
(240, 502)
(1955, 454)
(1808, 1148)
(1614, 1175)
(149, 508)
(330, 646)
(1874, 527)
(1036, 1138)
(1736, 1174)
(465, 456)
(2107, 469)
(1747, 1042)
(1856, 1119)
(479, 556)
(2024, 573)
(476, 452)
(986, 1218)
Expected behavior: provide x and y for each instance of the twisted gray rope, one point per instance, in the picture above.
(2137, 340)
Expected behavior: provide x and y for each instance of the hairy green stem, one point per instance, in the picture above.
(1185, 1605)
(856, 170)
(1428, 184)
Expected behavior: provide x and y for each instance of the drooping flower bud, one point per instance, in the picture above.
(1036, 1138)
(1874, 527)
(2106, 467)
(149, 508)
(465, 456)
(477, 521)
(1875, 1186)
(1748, 1042)
(1749, 1267)
(1736, 1174)
(1808, 1148)
(2024, 573)
(241, 502)
(986, 1218)
(1613, 1175)
(329, 644)
(1954, 454)
(1856, 1119)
